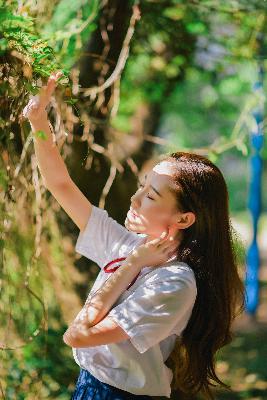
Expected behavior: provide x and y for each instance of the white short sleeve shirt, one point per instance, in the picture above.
(153, 312)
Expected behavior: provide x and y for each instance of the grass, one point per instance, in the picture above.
(242, 365)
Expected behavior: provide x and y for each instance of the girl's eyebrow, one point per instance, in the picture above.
(152, 187)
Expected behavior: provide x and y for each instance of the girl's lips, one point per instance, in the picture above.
(132, 213)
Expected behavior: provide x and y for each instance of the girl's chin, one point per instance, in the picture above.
(132, 227)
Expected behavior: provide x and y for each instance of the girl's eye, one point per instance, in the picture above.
(141, 186)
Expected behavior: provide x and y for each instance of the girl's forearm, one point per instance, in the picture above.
(50, 162)
(101, 303)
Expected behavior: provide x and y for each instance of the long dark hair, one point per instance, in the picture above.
(208, 247)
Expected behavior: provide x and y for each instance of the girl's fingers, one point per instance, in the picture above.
(167, 242)
(171, 245)
(163, 240)
(48, 90)
(39, 102)
(172, 249)
(52, 81)
(55, 75)
(51, 84)
(59, 74)
(159, 240)
(32, 106)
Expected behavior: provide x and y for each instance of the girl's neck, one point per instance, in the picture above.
(177, 235)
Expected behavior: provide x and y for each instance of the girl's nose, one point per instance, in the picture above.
(134, 199)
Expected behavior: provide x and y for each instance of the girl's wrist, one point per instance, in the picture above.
(37, 124)
(133, 260)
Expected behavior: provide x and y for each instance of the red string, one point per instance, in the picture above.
(110, 270)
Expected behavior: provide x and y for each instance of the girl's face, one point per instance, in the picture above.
(153, 206)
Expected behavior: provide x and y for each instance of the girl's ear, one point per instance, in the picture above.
(186, 220)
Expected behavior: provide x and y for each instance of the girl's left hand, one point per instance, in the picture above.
(36, 107)
(155, 252)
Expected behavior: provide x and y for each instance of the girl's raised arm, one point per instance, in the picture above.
(51, 165)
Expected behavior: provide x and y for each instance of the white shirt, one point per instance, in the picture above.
(153, 312)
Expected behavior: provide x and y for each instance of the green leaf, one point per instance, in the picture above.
(175, 13)
(243, 148)
(2, 244)
(71, 101)
(41, 135)
(3, 45)
(196, 28)
(213, 157)
(3, 180)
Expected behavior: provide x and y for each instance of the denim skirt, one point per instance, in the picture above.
(90, 388)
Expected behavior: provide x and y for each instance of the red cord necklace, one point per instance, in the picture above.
(110, 270)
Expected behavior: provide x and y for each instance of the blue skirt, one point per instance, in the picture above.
(90, 388)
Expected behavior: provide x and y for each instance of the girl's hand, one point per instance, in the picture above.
(35, 109)
(154, 252)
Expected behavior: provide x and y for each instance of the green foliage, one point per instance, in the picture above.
(3, 180)
(70, 27)
(19, 34)
(26, 61)
(29, 54)
(31, 322)
(201, 102)
(32, 373)
(19, 269)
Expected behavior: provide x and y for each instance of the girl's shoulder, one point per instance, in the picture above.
(181, 270)
(174, 270)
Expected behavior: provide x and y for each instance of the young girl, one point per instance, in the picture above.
(168, 287)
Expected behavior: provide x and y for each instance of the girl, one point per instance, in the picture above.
(168, 287)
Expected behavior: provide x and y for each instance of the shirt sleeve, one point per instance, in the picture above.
(101, 236)
(155, 309)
